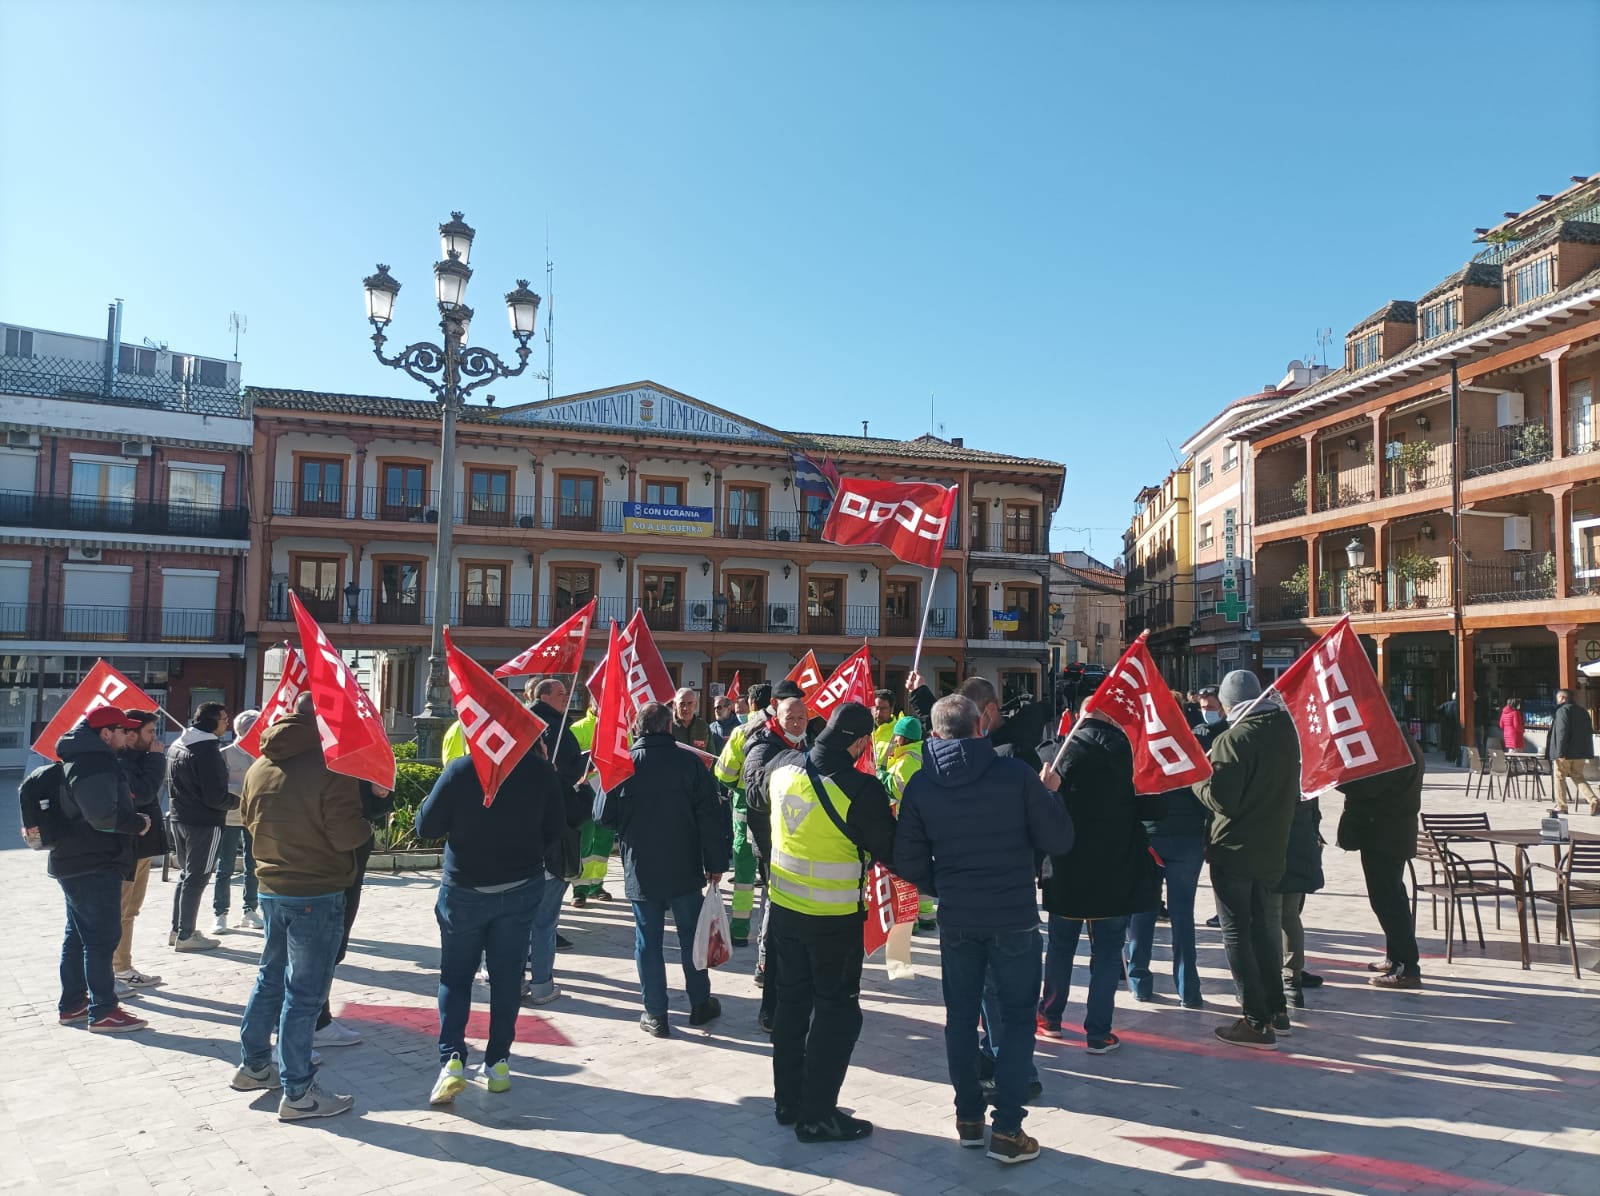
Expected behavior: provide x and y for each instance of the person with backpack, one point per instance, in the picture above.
(92, 849)
(145, 764)
(198, 780)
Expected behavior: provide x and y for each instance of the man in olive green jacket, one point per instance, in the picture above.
(1252, 793)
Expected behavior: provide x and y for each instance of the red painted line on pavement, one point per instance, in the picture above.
(425, 1020)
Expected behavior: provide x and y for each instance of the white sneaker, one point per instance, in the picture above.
(336, 1035)
(314, 1102)
(251, 919)
(196, 942)
(316, 1058)
(219, 924)
(264, 1080)
(124, 991)
(134, 978)
(172, 938)
(452, 1082)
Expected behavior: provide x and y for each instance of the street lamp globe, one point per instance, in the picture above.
(523, 307)
(450, 281)
(1356, 553)
(455, 238)
(381, 292)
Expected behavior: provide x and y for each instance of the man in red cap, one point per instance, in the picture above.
(90, 860)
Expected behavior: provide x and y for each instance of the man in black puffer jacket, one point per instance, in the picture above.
(1380, 821)
(674, 840)
(90, 863)
(197, 777)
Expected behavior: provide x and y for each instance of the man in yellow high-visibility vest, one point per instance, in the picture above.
(828, 820)
(729, 770)
(594, 841)
(884, 717)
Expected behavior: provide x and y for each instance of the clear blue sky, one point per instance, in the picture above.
(1084, 228)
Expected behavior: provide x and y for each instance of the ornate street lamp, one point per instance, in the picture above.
(451, 371)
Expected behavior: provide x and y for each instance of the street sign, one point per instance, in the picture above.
(1232, 607)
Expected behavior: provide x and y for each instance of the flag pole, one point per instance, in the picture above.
(927, 609)
(563, 727)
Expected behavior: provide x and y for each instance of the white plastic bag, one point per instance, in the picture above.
(713, 939)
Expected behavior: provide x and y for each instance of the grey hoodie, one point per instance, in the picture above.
(198, 779)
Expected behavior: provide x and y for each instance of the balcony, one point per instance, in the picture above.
(86, 381)
(119, 624)
(415, 609)
(1008, 539)
(1415, 466)
(71, 513)
(1347, 488)
(1504, 448)
(1583, 433)
(1280, 502)
(1280, 600)
(1529, 578)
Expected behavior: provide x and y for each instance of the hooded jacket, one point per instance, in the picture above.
(1252, 794)
(972, 823)
(102, 831)
(1109, 871)
(763, 746)
(197, 777)
(304, 819)
(672, 827)
(502, 843)
(1302, 866)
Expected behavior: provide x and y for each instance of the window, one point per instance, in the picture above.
(403, 493)
(19, 342)
(1440, 318)
(14, 598)
(1024, 601)
(746, 593)
(1230, 457)
(103, 491)
(399, 589)
(1584, 436)
(661, 598)
(211, 373)
(1205, 533)
(825, 606)
(189, 604)
(571, 587)
(575, 503)
(978, 611)
(195, 487)
(94, 601)
(1207, 605)
(1531, 280)
(133, 360)
(901, 615)
(318, 583)
(489, 497)
(1205, 471)
(320, 492)
(1022, 529)
(745, 507)
(1364, 350)
(483, 594)
(816, 518)
(662, 493)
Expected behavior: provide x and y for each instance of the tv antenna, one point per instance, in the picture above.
(1324, 338)
(150, 344)
(238, 325)
(549, 319)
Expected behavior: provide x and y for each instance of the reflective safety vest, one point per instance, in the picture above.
(900, 766)
(729, 768)
(583, 729)
(814, 868)
(883, 741)
(454, 744)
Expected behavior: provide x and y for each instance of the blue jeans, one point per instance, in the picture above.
(990, 1032)
(649, 928)
(542, 938)
(489, 927)
(233, 838)
(94, 928)
(297, 957)
(967, 959)
(1182, 856)
(1105, 970)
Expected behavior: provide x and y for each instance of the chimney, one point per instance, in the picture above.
(863, 427)
(958, 442)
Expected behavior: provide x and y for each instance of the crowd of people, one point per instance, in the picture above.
(952, 796)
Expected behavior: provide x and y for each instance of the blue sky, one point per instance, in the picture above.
(1083, 228)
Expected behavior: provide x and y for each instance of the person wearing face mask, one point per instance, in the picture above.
(1179, 838)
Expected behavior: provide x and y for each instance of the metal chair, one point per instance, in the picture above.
(1499, 767)
(1476, 774)
(1457, 831)
(1577, 881)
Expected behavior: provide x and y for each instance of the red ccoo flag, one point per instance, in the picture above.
(559, 652)
(850, 682)
(907, 518)
(1347, 730)
(498, 728)
(290, 686)
(643, 671)
(733, 687)
(807, 675)
(609, 750)
(1166, 755)
(353, 739)
(104, 686)
(1064, 728)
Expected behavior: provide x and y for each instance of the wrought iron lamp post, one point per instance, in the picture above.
(451, 371)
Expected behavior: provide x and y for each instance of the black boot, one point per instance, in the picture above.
(1294, 995)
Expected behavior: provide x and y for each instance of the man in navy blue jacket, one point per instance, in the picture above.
(972, 826)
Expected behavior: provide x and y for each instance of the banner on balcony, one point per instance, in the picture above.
(655, 519)
(1004, 620)
(104, 686)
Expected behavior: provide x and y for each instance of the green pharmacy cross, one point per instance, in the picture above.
(1232, 606)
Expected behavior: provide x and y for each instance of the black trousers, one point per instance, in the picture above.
(195, 848)
(1386, 893)
(352, 905)
(1252, 934)
(818, 1019)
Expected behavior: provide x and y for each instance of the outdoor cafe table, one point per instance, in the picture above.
(1522, 840)
(1522, 765)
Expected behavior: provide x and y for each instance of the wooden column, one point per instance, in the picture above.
(1558, 401)
(1566, 654)
(1381, 644)
(538, 497)
(1464, 682)
(361, 439)
(533, 595)
(1561, 545)
(1378, 486)
(802, 607)
(1311, 472)
(1311, 574)
(719, 515)
(1380, 557)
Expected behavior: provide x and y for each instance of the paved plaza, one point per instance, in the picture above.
(1484, 1082)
